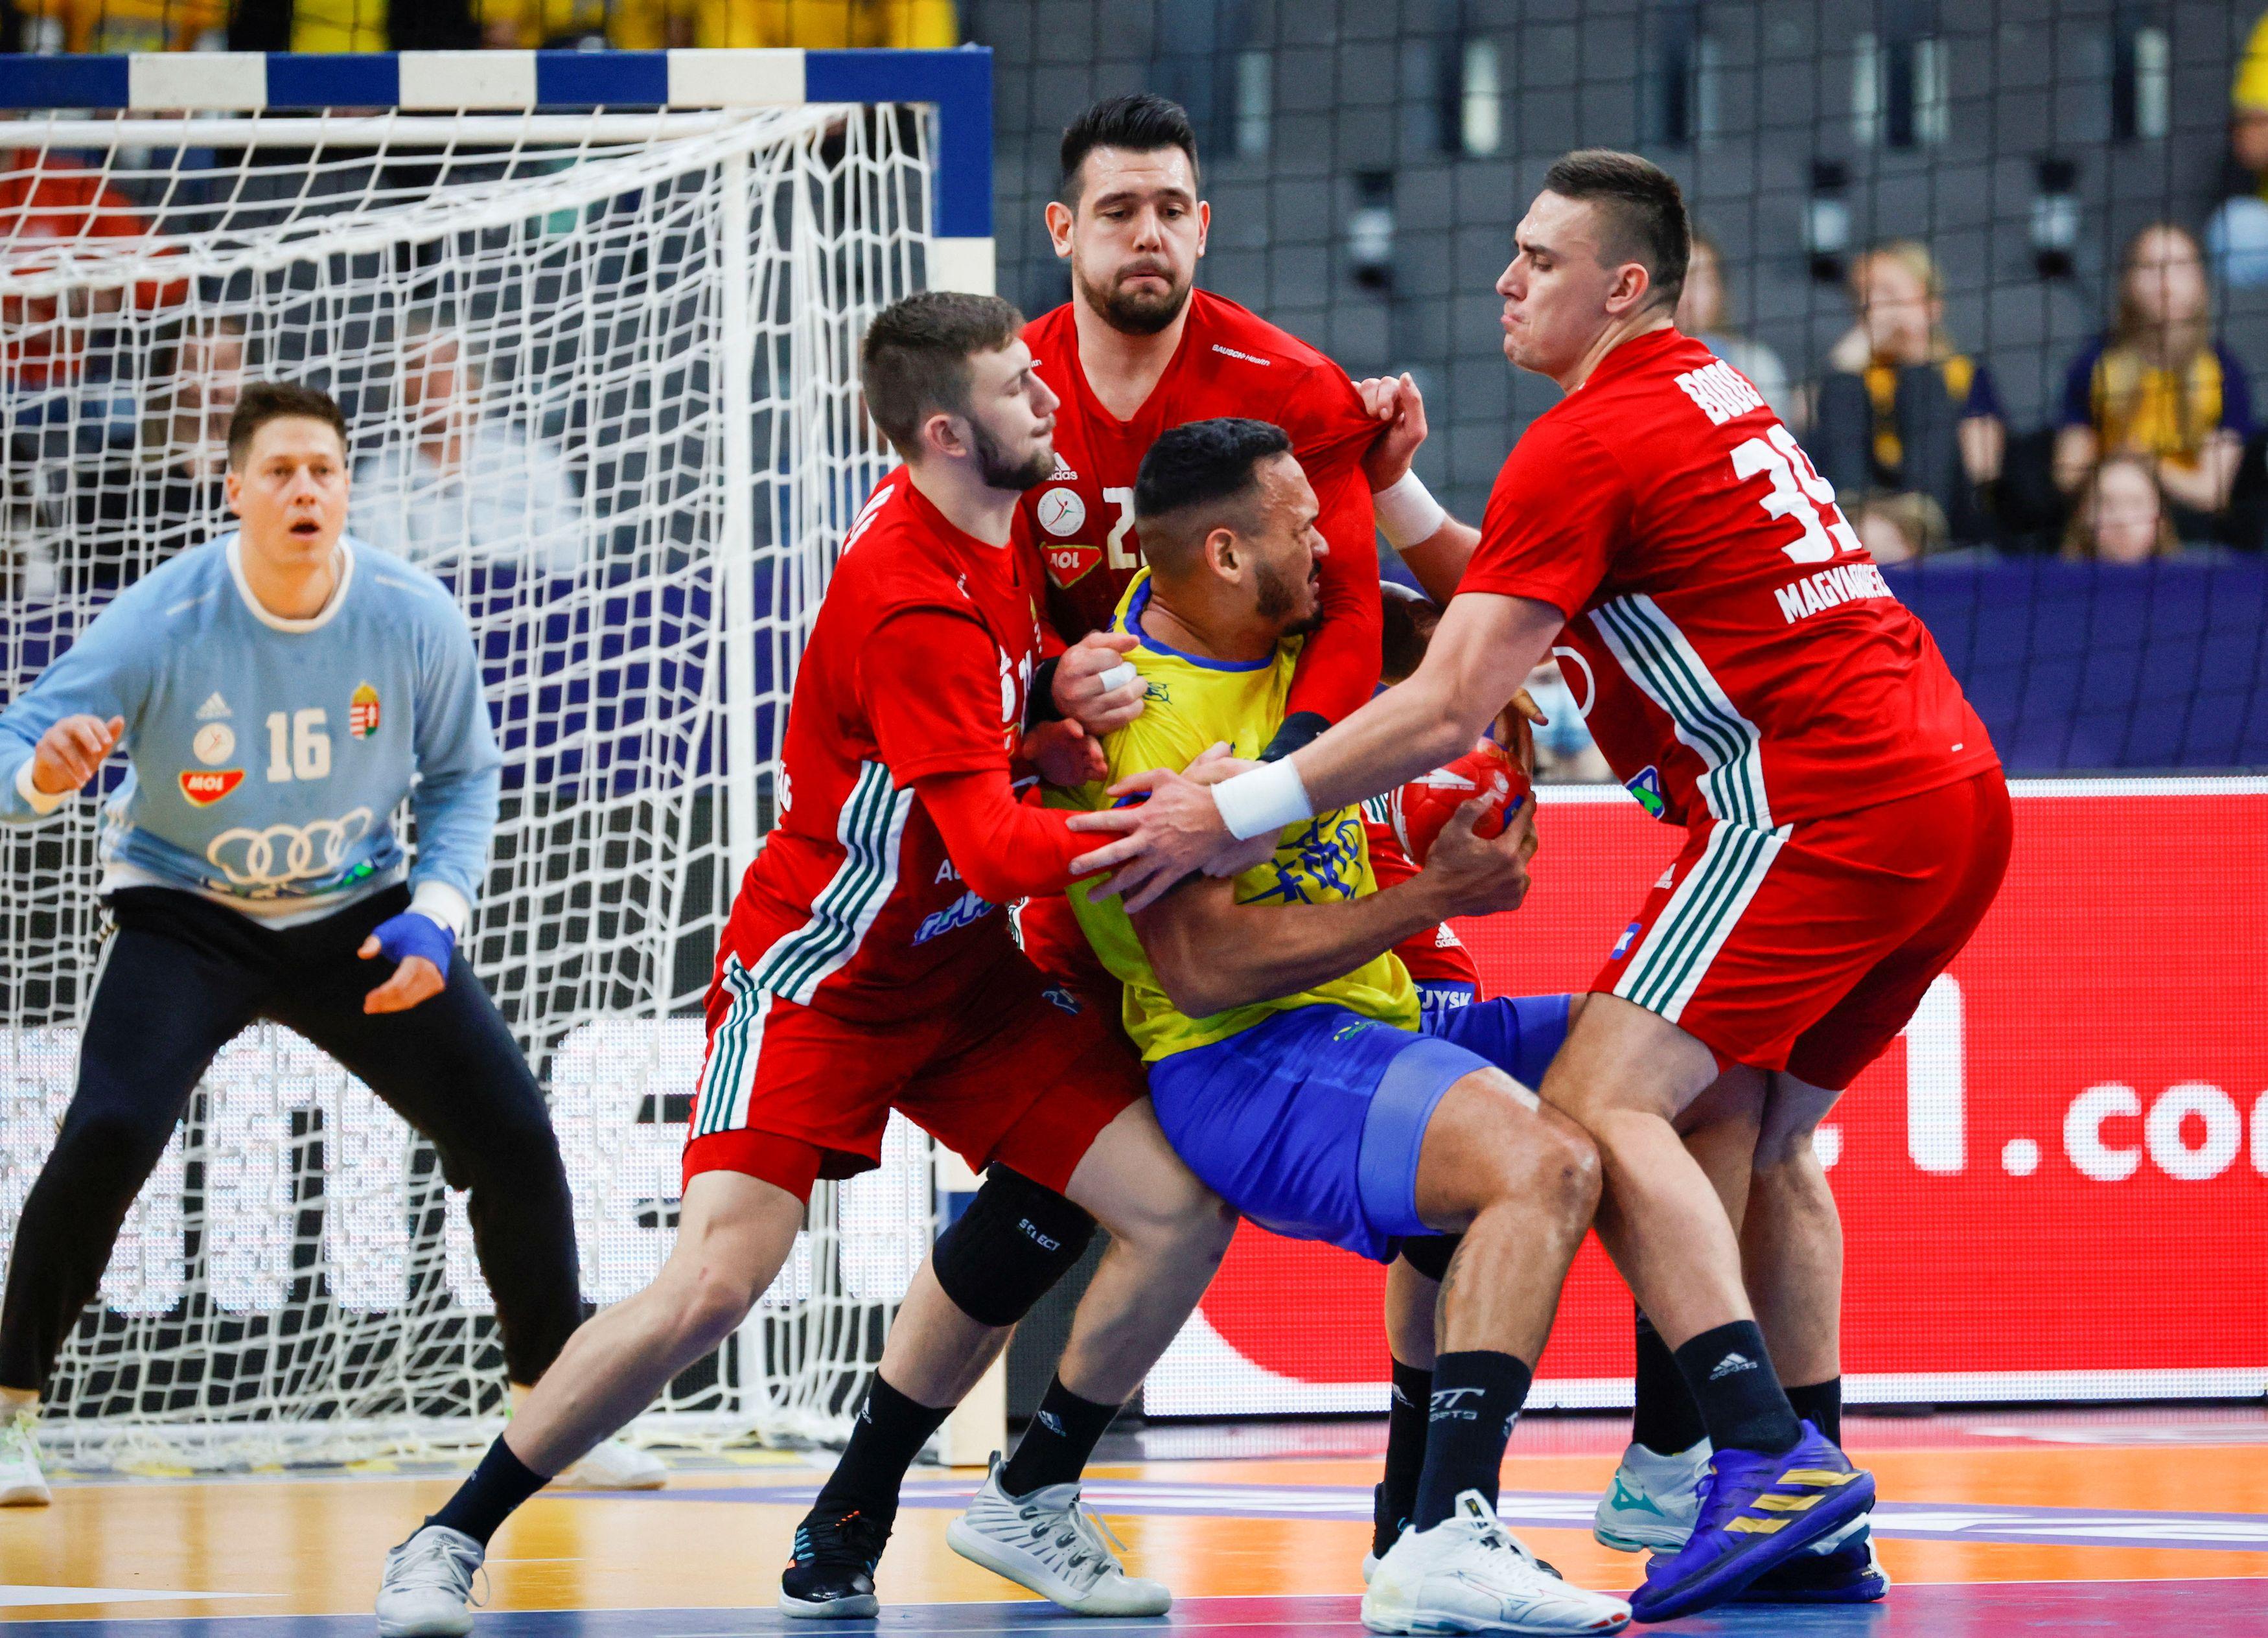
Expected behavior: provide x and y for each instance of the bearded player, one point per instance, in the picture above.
(1140, 349)
(867, 967)
(1847, 823)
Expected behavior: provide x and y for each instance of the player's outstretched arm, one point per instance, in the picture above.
(1481, 654)
(1435, 546)
(1211, 953)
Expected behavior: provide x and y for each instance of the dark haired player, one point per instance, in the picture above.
(279, 692)
(1847, 823)
(1290, 1061)
(867, 967)
(1137, 350)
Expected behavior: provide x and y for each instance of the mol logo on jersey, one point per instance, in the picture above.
(1068, 564)
(362, 712)
(202, 787)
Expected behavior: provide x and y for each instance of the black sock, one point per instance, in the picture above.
(1405, 1453)
(1821, 1404)
(886, 1435)
(1663, 1416)
(1476, 1397)
(1742, 1403)
(489, 1495)
(1055, 1448)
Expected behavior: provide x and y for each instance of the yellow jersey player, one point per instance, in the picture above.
(1283, 1039)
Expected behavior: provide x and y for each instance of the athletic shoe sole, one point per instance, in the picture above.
(979, 1548)
(1835, 1508)
(1425, 1621)
(1651, 1541)
(444, 1627)
(26, 1496)
(860, 1606)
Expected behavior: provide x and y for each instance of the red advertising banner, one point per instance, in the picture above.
(2054, 1186)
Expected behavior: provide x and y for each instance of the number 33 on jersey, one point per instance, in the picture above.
(1736, 653)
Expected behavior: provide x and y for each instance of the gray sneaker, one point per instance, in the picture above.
(1048, 1542)
(428, 1588)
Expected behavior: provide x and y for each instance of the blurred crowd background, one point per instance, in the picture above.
(2003, 265)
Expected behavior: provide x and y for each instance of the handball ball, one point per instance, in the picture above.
(1421, 807)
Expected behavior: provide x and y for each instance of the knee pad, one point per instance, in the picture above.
(1009, 1248)
(1429, 1254)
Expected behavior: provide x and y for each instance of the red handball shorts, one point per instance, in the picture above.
(1006, 1068)
(1808, 948)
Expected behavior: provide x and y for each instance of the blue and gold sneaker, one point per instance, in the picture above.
(1851, 1573)
(1758, 1512)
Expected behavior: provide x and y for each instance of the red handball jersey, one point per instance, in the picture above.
(918, 664)
(1736, 653)
(1231, 362)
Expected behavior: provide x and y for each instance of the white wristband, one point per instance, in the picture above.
(1265, 798)
(41, 802)
(1408, 512)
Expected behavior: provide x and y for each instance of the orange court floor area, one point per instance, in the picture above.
(2081, 1523)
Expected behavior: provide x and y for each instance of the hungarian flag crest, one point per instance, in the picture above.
(202, 787)
(362, 712)
(1068, 564)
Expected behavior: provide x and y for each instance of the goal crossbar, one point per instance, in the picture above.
(541, 85)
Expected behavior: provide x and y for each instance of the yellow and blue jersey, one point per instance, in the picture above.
(1192, 704)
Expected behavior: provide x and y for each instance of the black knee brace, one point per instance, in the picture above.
(1429, 1254)
(1009, 1248)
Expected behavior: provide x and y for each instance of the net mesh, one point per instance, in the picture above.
(599, 378)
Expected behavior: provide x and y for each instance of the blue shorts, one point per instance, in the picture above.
(1311, 1122)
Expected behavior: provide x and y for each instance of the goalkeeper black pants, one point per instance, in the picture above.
(180, 979)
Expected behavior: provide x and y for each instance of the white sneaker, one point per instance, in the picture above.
(614, 1466)
(1652, 1503)
(1048, 1542)
(1468, 1574)
(22, 1484)
(427, 1591)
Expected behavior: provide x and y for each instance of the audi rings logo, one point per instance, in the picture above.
(280, 854)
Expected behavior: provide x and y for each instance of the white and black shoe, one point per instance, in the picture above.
(831, 1575)
(427, 1590)
(22, 1484)
(1468, 1573)
(1049, 1543)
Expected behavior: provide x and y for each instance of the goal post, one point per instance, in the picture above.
(593, 319)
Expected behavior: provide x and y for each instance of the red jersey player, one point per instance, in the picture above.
(1748, 670)
(867, 967)
(1139, 349)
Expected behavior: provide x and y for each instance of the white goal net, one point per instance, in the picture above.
(601, 374)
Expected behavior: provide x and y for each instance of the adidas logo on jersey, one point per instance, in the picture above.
(214, 708)
(1062, 474)
(1732, 1365)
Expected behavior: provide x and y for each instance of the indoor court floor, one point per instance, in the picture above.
(2141, 1521)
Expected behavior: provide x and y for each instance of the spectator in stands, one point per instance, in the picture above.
(651, 24)
(77, 25)
(2238, 233)
(2121, 516)
(331, 25)
(128, 515)
(465, 486)
(1901, 410)
(2159, 386)
(1900, 528)
(1701, 315)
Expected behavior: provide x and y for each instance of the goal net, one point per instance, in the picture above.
(600, 370)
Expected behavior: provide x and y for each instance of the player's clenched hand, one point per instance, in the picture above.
(420, 948)
(1177, 830)
(69, 755)
(1095, 684)
(1064, 753)
(1480, 876)
(1396, 401)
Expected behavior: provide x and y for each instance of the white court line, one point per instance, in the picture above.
(26, 1597)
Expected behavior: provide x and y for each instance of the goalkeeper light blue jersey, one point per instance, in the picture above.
(268, 755)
